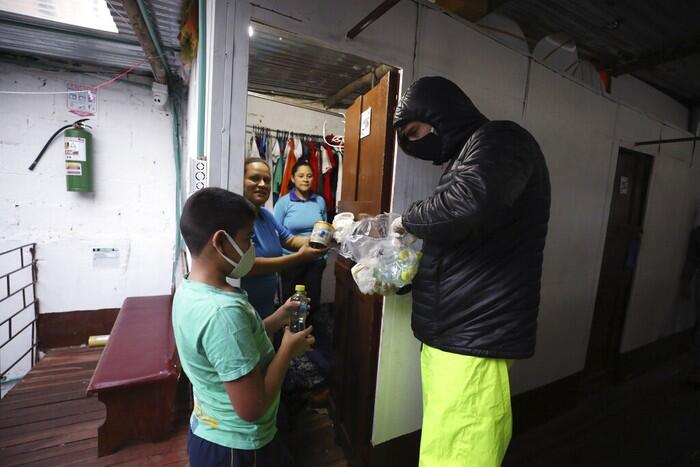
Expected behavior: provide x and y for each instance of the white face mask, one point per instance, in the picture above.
(245, 264)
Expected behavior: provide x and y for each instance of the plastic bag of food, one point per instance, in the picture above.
(385, 262)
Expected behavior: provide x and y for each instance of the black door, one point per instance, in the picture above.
(622, 244)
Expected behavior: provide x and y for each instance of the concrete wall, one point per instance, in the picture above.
(132, 207)
(580, 132)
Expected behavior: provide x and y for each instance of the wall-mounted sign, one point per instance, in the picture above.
(624, 185)
(365, 122)
(80, 102)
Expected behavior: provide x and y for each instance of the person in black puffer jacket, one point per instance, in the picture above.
(477, 291)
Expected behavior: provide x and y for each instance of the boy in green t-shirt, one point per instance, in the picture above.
(223, 344)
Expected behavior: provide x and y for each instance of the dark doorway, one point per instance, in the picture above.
(622, 244)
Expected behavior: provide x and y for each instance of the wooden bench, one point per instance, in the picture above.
(137, 375)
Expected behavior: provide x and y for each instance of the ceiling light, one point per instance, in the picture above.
(251, 31)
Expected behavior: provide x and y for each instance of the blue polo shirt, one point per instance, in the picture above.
(268, 236)
(299, 215)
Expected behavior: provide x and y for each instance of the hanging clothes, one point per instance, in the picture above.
(289, 163)
(328, 163)
(304, 150)
(319, 168)
(274, 155)
(339, 183)
(253, 148)
(282, 150)
(313, 161)
(262, 146)
(273, 150)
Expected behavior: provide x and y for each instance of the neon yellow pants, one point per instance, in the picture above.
(467, 419)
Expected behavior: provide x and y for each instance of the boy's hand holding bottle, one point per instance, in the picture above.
(297, 343)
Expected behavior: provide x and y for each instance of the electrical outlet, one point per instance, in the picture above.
(160, 94)
(199, 174)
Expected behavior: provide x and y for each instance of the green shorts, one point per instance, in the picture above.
(467, 419)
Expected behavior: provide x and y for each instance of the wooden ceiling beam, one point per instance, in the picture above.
(138, 24)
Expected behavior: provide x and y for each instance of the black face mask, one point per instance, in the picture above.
(428, 148)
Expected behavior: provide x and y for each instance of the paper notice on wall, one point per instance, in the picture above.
(365, 122)
(108, 253)
(81, 103)
(74, 148)
(105, 257)
(624, 185)
(74, 168)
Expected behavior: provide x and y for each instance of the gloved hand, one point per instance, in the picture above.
(399, 234)
(397, 229)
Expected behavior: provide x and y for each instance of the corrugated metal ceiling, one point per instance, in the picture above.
(616, 32)
(21, 35)
(280, 63)
(288, 65)
(608, 32)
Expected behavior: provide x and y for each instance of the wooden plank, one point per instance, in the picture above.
(49, 412)
(64, 386)
(65, 372)
(143, 450)
(49, 380)
(37, 400)
(54, 410)
(77, 450)
(54, 439)
(57, 423)
(351, 152)
(17, 440)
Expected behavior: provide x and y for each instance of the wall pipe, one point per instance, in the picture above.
(665, 141)
(201, 75)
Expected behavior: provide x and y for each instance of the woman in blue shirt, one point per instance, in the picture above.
(298, 211)
(269, 238)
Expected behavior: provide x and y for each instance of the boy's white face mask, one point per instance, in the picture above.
(245, 264)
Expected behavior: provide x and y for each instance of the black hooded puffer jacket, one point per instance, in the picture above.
(477, 290)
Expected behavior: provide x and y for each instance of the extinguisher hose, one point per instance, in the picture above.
(43, 150)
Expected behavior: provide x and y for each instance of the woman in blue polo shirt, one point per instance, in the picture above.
(298, 211)
(269, 238)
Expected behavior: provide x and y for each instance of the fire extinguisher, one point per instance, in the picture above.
(77, 144)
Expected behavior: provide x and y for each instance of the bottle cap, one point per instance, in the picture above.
(300, 288)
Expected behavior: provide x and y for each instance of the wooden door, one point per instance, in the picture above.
(368, 161)
(622, 244)
(367, 176)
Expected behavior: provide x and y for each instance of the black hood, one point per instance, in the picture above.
(441, 103)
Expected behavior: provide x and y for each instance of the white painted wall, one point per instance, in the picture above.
(640, 96)
(281, 116)
(132, 207)
(580, 132)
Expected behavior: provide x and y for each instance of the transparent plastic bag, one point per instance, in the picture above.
(343, 224)
(385, 262)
